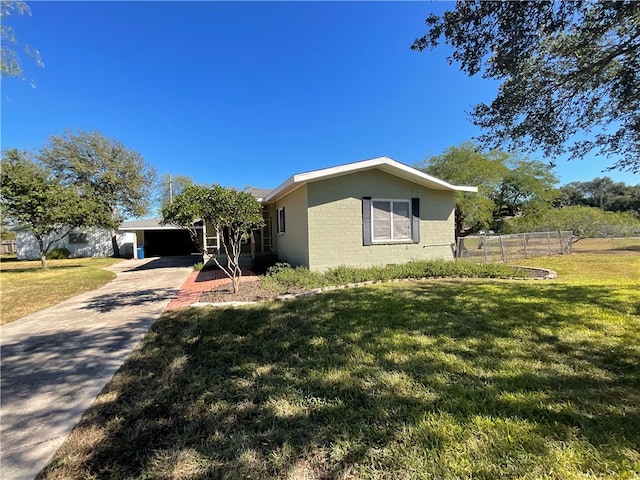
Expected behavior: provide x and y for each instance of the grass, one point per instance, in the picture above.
(26, 288)
(438, 379)
(607, 245)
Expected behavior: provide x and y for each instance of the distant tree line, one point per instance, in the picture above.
(518, 194)
(602, 193)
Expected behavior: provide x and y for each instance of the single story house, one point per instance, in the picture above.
(372, 212)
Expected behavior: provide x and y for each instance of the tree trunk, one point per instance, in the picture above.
(114, 244)
(459, 223)
(232, 268)
(43, 254)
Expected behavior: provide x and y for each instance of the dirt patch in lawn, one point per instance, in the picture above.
(608, 246)
(248, 292)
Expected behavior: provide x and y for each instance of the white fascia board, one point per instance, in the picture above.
(465, 188)
(287, 185)
(384, 163)
(420, 177)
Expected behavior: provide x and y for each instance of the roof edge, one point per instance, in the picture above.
(387, 164)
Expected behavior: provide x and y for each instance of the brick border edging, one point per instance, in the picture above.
(548, 275)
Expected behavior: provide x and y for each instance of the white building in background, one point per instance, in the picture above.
(95, 242)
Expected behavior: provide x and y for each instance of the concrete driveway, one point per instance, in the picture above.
(56, 361)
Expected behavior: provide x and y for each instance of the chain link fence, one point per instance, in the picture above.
(505, 248)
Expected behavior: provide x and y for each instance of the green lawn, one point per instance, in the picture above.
(443, 379)
(26, 288)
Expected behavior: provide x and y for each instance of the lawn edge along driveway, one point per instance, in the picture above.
(56, 361)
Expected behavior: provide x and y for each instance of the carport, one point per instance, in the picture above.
(160, 240)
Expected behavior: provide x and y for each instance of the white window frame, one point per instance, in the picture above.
(391, 239)
(281, 221)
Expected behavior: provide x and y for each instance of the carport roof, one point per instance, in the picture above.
(146, 224)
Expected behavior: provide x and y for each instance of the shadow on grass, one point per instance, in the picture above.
(630, 248)
(506, 380)
(39, 268)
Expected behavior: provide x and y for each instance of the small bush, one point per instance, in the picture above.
(59, 254)
(198, 266)
(283, 278)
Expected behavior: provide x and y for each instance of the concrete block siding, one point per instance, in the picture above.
(331, 226)
(293, 244)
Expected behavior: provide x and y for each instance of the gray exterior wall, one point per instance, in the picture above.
(98, 244)
(328, 233)
(293, 245)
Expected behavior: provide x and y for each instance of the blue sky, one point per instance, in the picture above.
(247, 93)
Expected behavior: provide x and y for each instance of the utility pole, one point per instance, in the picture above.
(170, 190)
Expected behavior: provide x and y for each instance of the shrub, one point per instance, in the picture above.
(282, 278)
(588, 222)
(60, 253)
(198, 266)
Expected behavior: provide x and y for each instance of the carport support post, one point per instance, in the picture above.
(205, 248)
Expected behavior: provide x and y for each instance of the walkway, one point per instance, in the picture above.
(203, 281)
(56, 361)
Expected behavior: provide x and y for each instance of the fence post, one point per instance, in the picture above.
(524, 240)
(560, 242)
(549, 244)
(501, 248)
(570, 242)
(485, 249)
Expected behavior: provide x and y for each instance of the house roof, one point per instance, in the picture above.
(384, 164)
(258, 193)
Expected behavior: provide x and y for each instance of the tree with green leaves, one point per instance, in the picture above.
(32, 196)
(10, 56)
(603, 193)
(585, 222)
(527, 188)
(104, 169)
(187, 209)
(568, 72)
(507, 184)
(467, 164)
(232, 213)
